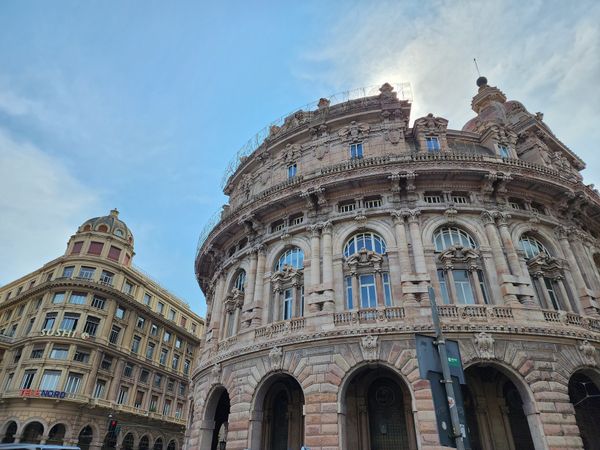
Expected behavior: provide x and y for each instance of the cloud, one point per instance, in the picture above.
(543, 53)
(42, 204)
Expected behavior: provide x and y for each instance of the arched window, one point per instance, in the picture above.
(293, 257)
(532, 247)
(240, 281)
(368, 241)
(367, 280)
(447, 237)
(460, 269)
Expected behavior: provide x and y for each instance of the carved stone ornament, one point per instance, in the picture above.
(545, 265)
(484, 344)
(430, 124)
(361, 221)
(354, 132)
(588, 352)
(369, 346)
(460, 255)
(286, 274)
(276, 358)
(364, 258)
(216, 370)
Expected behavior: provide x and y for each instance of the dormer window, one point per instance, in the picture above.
(292, 170)
(356, 150)
(503, 151)
(433, 144)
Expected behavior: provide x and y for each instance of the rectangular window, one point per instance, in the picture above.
(164, 353)
(120, 312)
(551, 289)
(368, 292)
(69, 321)
(356, 150)
(31, 284)
(503, 151)
(167, 408)
(8, 381)
(107, 277)
(230, 322)
(87, 272)
(128, 370)
(160, 307)
(77, 247)
(19, 290)
(434, 199)
(29, 326)
(182, 387)
(106, 363)
(433, 144)
(387, 289)
(82, 356)
(114, 334)
(50, 380)
(128, 288)
(157, 380)
(12, 330)
(481, 281)
(292, 170)
(194, 327)
(296, 220)
(78, 298)
(167, 336)
(347, 206)
(140, 322)
(153, 403)
(139, 399)
(150, 350)
(462, 284)
(443, 286)
(73, 383)
(91, 325)
(114, 253)
(178, 342)
(37, 352)
(514, 205)
(68, 272)
(135, 344)
(21, 310)
(172, 314)
(349, 298)
(49, 321)
(49, 276)
(179, 411)
(186, 366)
(144, 374)
(147, 299)
(154, 330)
(175, 362)
(59, 352)
(99, 389)
(288, 299)
(372, 203)
(170, 385)
(183, 321)
(28, 379)
(58, 298)
(95, 248)
(98, 302)
(123, 395)
(278, 225)
(460, 199)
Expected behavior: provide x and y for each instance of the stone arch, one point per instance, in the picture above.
(356, 388)
(85, 437)
(159, 443)
(9, 430)
(215, 414)
(33, 431)
(145, 441)
(275, 250)
(128, 441)
(584, 396)
(233, 272)
(548, 239)
(57, 433)
(266, 393)
(473, 227)
(345, 231)
(172, 445)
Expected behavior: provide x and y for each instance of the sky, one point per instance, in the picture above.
(140, 105)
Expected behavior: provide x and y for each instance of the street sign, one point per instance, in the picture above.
(429, 359)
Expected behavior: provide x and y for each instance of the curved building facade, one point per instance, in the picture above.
(316, 279)
(88, 339)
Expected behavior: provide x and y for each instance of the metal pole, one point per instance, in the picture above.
(447, 379)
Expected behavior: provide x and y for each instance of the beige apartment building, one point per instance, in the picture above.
(316, 277)
(87, 340)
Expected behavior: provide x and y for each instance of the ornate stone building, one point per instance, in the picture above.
(87, 338)
(316, 279)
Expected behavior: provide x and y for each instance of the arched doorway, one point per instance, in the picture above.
(495, 411)
(85, 438)
(378, 415)
(33, 432)
(158, 444)
(110, 441)
(128, 442)
(585, 397)
(144, 443)
(9, 434)
(172, 445)
(221, 418)
(56, 435)
(282, 425)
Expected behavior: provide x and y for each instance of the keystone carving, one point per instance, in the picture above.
(484, 343)
(216, 370)
(276, 358)
(588, 352)
(369, 346)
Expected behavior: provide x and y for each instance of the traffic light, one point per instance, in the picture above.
(112, 427)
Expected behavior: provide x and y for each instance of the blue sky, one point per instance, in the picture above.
(141, 105)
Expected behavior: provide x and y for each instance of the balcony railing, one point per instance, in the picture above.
(369, 315)
(277, 328)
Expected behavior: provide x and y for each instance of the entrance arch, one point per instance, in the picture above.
(499, 416)
(33, 432)
(128, 442)
(377, 409)
(584, 393)
(277, 415)
(85, 438)
(56, 435)
(144, 443)
(216, 418)
(9, 434)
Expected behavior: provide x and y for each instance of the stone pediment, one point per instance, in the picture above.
(544, 265)
(364, 258)
(430, 125)
(460, 255)
(287, 274)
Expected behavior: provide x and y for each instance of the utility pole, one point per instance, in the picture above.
(440, 342)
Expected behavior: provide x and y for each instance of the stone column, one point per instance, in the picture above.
(511, 253)
(417, 243)
(544, 291)
(91, 381)
(507, 288)
(116, 380)
(563, 293)
(379, 288)
(217, 320)
(258, 301)
(402, 243)
(315, 258)
(477, 287)
(450, 286)
(355, 292)
(328, 296)
(251, 278)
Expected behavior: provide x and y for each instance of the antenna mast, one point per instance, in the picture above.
(476, 67)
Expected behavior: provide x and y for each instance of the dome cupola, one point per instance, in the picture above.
(110, 224)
